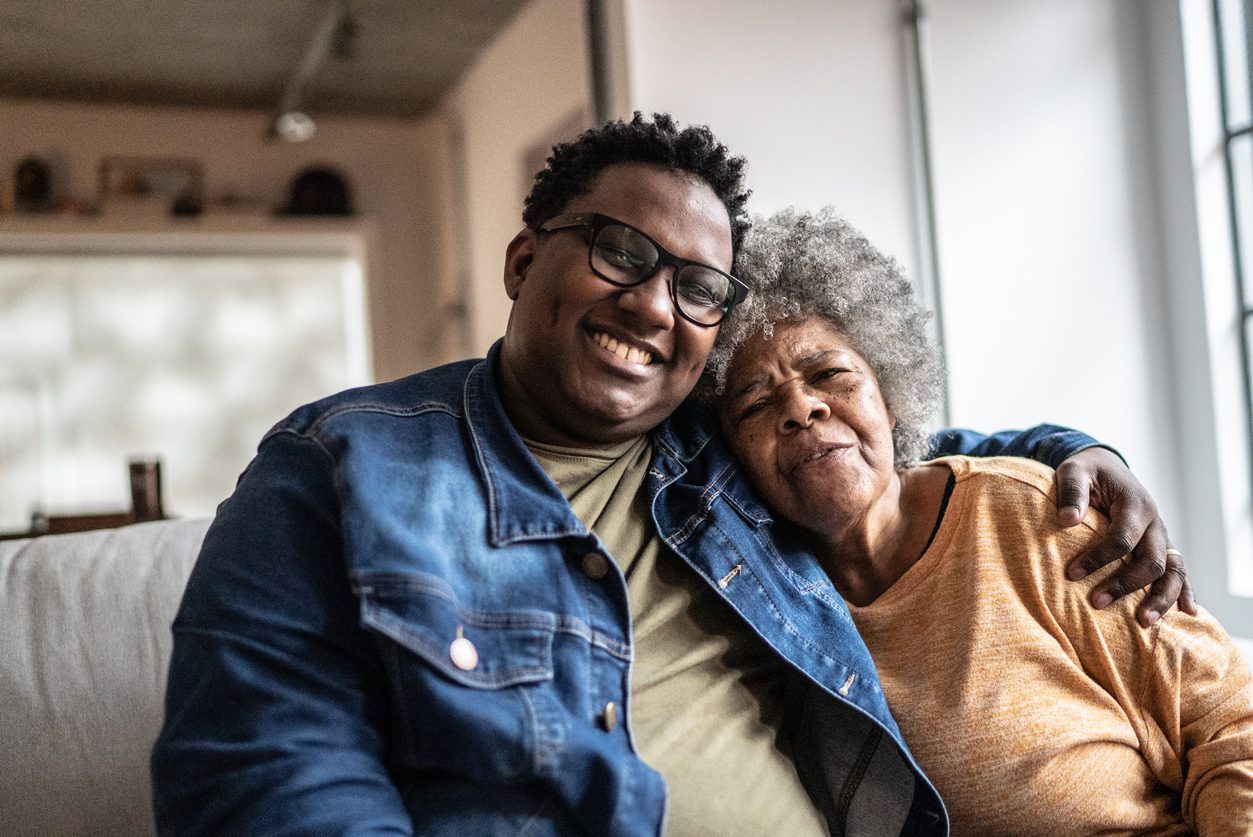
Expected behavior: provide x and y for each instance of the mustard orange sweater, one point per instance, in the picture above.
(1035, 713)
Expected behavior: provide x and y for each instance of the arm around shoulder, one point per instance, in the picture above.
(275, 706)
(1047, 443)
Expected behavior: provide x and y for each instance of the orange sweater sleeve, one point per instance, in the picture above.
(1200, 702)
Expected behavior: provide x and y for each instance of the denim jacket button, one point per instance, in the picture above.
(609, 717)
(463, 654)
(595, 566)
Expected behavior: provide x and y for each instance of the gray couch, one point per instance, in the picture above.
(84, 649)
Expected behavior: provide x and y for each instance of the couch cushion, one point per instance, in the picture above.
(84, 649)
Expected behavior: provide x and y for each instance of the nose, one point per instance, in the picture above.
(651, 300)
(801, 408)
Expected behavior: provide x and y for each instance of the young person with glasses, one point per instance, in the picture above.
(532, 593)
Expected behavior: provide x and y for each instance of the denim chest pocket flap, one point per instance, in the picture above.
(477, 648)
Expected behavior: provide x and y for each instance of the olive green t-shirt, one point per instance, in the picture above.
(706, 692)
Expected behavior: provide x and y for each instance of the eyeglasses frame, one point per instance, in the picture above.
(596, 222)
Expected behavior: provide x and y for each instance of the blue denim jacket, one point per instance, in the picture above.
(313, 688)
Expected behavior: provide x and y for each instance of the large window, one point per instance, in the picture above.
(187, 353)
(1234, 31)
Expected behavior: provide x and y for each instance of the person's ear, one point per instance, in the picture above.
(518, 258)
(891, 417)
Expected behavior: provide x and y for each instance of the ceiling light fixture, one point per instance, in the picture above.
(336, 33)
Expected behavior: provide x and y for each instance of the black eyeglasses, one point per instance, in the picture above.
(624, 256)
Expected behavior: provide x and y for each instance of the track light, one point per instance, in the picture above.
(337, 33)
(294, 126)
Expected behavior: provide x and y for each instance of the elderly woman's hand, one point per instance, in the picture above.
(1097, 475)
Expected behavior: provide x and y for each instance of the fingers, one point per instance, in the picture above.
(1187, 596)
(1164, 592)
(1173, 586)
(1074, 484)
(1154, 560)
(1130, 528)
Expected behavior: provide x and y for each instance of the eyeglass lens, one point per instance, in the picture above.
(625, 257)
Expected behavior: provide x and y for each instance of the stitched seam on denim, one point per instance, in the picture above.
(581, 629)
(584, 630)
(316, 440)
(822, 589)
(613, 646)
(315, 427)
(371, 583)
(469, 402)
(545, 535)
(400, 631)
(765, 595)
(708, 497)
(788, 627)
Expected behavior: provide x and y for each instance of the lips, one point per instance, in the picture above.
(820, 452)
(625, 351)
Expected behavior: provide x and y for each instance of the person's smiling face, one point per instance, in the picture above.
(589, 364)
(804, 415)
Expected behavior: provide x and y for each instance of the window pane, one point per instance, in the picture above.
(1235, 60)
(190, 358)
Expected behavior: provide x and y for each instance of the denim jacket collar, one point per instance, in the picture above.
(524, 504)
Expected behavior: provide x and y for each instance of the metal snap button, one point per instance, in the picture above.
(595, 566)
(463, 653)
(609, 716)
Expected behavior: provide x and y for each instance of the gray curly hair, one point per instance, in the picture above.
(799, 263)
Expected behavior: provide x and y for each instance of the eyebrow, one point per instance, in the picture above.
(816, 357)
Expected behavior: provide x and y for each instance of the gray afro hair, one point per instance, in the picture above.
(800, 264)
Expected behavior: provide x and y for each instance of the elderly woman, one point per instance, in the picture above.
(1032, 712)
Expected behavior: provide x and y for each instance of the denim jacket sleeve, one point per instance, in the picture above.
(273, 710)
(1046, 443)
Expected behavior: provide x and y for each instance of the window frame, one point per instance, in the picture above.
(1233, 131)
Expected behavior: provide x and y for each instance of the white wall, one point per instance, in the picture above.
(529, 87)
(1044, 181)
(396, 169)
(810, 91)
(1058, 151)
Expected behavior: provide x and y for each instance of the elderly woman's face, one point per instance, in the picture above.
(804, 414)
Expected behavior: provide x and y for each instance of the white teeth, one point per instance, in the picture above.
(622, 350)
(817, 455)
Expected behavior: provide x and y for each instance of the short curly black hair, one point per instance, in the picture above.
(694, 149)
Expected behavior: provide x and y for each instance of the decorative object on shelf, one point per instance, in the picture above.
(150, 185)
(32, 186)
(319, 190)
(145, 474)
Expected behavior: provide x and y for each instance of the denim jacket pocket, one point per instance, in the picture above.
(472, 689)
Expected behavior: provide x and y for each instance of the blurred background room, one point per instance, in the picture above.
(211, 213)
